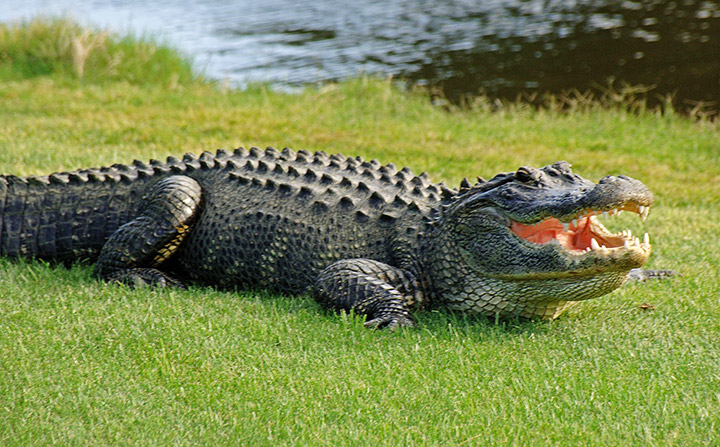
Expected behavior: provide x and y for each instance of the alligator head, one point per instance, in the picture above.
(530, 243)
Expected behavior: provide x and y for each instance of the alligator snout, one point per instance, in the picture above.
(612, 191)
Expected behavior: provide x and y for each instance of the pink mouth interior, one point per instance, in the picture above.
(577, 237)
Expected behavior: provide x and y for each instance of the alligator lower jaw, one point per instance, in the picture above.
(584, 236)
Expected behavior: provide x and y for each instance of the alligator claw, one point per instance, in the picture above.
(144, 277)
(391, 322)
(644, 275)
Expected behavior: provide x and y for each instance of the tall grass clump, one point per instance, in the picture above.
(63, 49)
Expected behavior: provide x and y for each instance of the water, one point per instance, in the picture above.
(501, 47)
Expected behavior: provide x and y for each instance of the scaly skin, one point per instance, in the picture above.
(355, 234)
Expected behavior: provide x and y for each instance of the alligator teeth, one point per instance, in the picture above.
(643, 211)
(594, 244)
(566, 226)
(575, 223)
(646, 239)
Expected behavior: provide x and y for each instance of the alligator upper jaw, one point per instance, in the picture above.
(585, 235)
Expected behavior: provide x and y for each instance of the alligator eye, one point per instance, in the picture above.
(524, 175)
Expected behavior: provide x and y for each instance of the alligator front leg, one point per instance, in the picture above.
(380, 291)
(134, 252)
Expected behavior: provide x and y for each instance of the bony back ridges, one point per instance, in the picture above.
(327, 179)
(77, 178)
(320, 158)
(387, 218)
(163, 169)
(338, 157)
(137, 164)
(376, 200)
(404, 174)
(287, 189)
(271, 153)
(361, 216)
(250, 165)
(302, 157)
(279, 169)
(270, 185)
(38, 181)
(387, 179)
(363, 187)
(330, 193)
(346, 203)
(400, 202)
(320, 206)
(233, 166)
(389, 169)
(255, 152)
(369, 174)
(208, 164)
(288, 153)
(243, 180)
(305, 193)
(310, 176)
(59, 179)
(263, 167)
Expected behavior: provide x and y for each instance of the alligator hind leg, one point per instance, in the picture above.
(382, 292)
(134, 252)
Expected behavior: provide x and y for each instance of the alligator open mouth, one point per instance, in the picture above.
(584, 233)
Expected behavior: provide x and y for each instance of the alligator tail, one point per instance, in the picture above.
(68, 216)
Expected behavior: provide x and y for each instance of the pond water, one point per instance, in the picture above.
(501, 47)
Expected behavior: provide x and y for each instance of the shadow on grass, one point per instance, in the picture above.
(58, 279)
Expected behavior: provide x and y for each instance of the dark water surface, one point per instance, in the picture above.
(501, 47)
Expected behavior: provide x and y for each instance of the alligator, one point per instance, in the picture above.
(357, 235)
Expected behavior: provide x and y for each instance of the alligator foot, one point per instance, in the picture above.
(391, 322)
(370, 288)
(144, 277)
(644, 275)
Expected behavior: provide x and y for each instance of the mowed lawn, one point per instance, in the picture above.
(85, 363)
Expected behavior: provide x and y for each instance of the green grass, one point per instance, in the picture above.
(61, 48)
(84, 363)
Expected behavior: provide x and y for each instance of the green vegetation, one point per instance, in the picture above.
(66, 51)
(84, 363)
